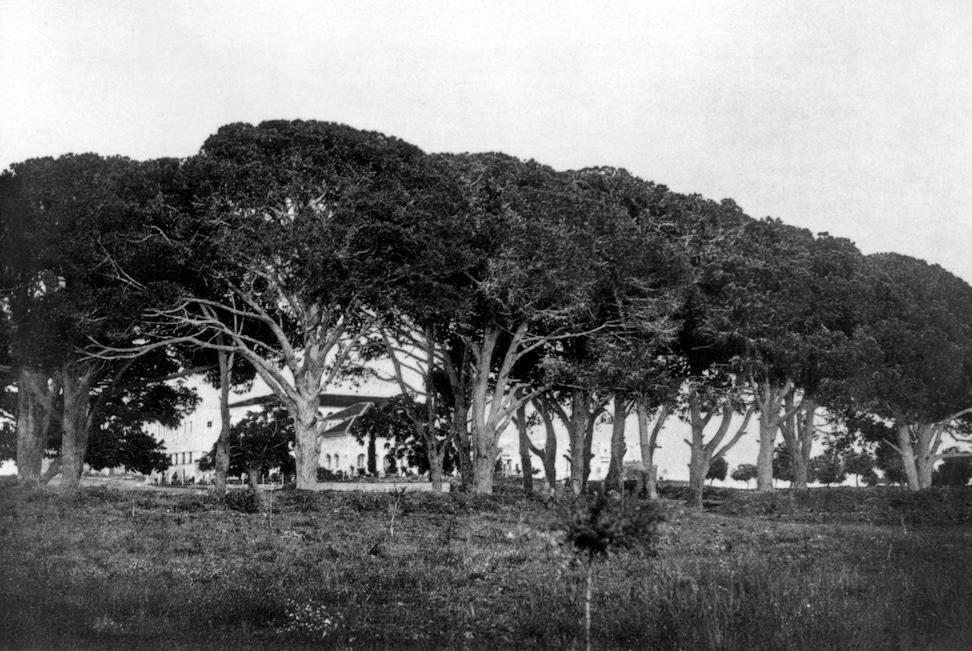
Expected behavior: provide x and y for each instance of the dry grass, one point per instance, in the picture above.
(106, 570)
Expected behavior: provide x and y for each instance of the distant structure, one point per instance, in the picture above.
(341, 454)
(196, 435)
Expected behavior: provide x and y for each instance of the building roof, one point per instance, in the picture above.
(326, 400)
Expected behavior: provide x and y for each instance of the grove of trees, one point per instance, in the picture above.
(499, 292)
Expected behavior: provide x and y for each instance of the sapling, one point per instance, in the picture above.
(597, 526)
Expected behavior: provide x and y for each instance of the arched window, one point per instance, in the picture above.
(361, 461)
(327, 461)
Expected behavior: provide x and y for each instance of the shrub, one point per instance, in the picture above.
(244, 501)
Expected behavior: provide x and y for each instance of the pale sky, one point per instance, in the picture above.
(850, 117)
(853, 117)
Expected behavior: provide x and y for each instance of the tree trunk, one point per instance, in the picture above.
(484, 467)
(907, 452)
(307, 445)
(460, 435)
(526, 460)
(769, 399)
(649, 443)
(33, 412)
(436, 456)
(924, 454)
(806, 432)
(588, 449)
(465, 461)
(74, 426)
(615, 476)
(577, 429)
(798, 433)
(548, 455)
(698, 467)
(222, 461)
(768, 424)
(484, 452)
(483, 430)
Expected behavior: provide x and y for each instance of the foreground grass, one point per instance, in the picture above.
(831, 569)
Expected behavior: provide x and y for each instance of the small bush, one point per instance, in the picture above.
(243, 501)
(597, 525)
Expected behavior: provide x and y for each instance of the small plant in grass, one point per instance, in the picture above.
(597, 526)
(244, 501)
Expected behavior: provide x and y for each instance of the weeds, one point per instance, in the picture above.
(188, 572)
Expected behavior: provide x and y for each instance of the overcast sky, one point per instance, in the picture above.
(850, 117)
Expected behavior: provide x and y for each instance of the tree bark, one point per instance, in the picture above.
(458, 372)
(484, 467)
(307, 445)
(460, 430)
(526, 460)
(698, 467)
(768, 424)
(577, 428)
(588, 448)
(33, 413)
(907, 452)
(701, 454)
(76, 392)
(649, 443)
(770, 398)
(494, 401)
(222, 461)
(615, 476)
(925, 453)
(798, 433)
(700, 457)
(436, 456)
(548, 455)
(483, 431)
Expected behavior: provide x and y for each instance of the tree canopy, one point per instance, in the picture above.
(303, 249)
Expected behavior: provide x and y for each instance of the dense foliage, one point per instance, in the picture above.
(490, 285)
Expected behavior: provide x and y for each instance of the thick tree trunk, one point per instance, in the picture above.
(548, 455)
(577, 428)
(798, 433)
(222, 461)
(307, 445)
(698, 467)
(34, 411)
(907, 452)
(649, 443)
(484, 467)
(526, 460)
(464, 452)
(925, 453)
(768, 425)
(615, 476)
(436, 456)
(484, 453)
(74, 426)
(483, 426)
(770, 398)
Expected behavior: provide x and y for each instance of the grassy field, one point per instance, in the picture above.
(827, 569)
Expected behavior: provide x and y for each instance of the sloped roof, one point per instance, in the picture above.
(326, 400)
